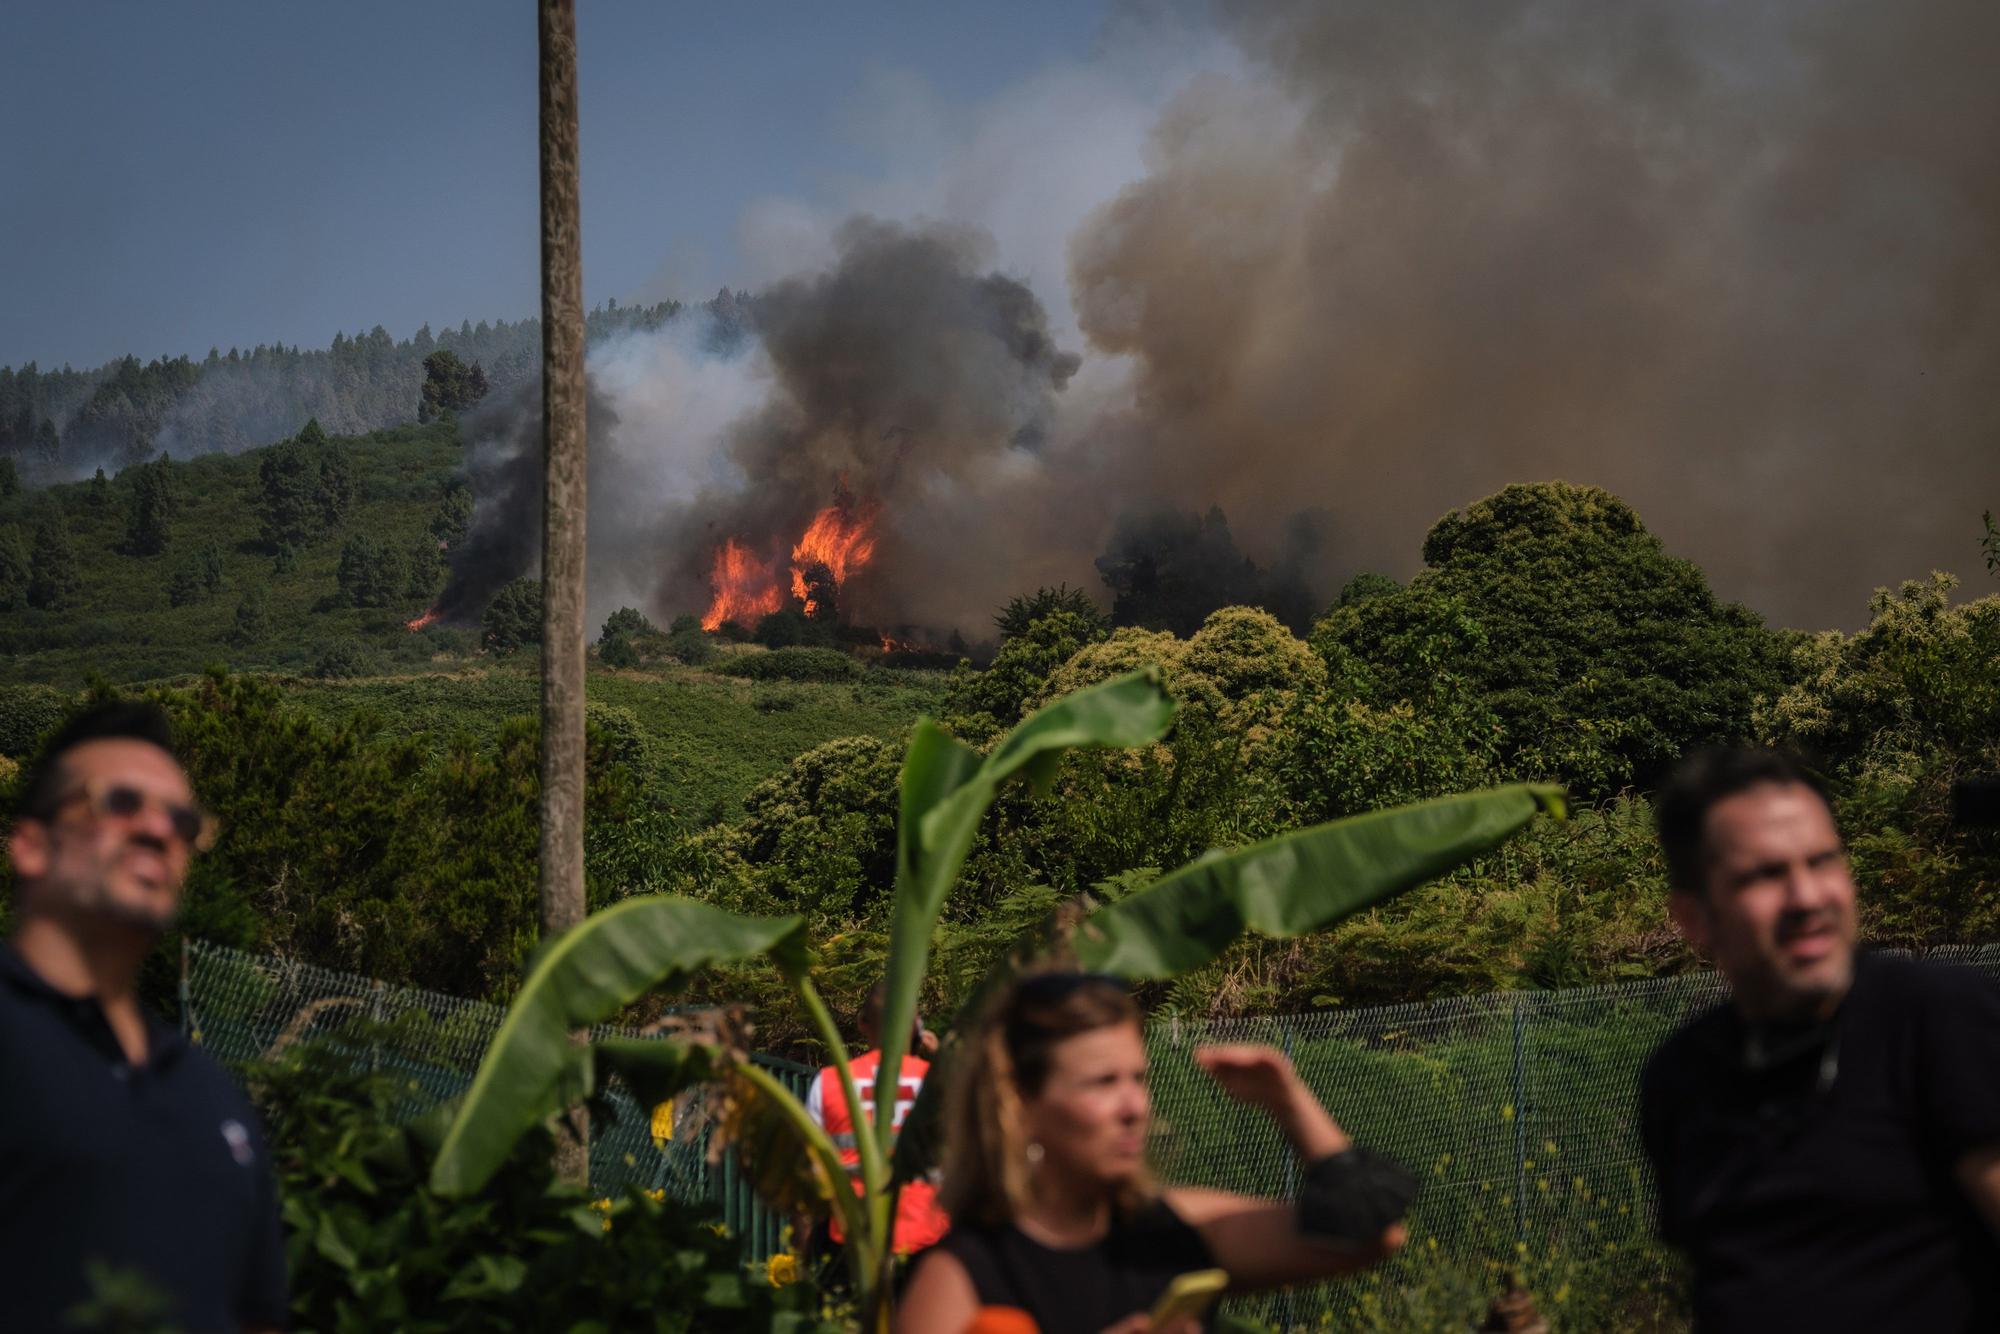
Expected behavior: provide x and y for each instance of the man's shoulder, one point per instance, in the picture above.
(1895, 979)
(1690, 1047)
(199, 1071)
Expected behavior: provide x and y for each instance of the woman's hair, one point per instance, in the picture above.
(1004, 1062)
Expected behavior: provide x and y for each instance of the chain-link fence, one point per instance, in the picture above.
(1519, 1110)
(247, 1008)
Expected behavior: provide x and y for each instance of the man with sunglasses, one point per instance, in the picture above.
(123, 1150)
(1826, 1143)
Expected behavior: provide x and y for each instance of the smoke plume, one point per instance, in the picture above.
(1735, 262)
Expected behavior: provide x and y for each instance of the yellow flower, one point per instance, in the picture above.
(1507, 1112)
(782, 1269)
(663, 1123)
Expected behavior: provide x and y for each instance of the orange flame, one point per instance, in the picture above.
(745, 588)
(840, 540)
(422, 621)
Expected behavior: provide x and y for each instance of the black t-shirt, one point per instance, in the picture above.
(1817, 1191)
(1086, 1289)
(159, 1169)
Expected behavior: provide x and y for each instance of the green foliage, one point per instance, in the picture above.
(15, 570)
(253, 616)
(155, 499)
(185, 585)
(626, 623)
(53, 577)
(27, 714)
(341, 659)
(370, 573)
(790, 628)
(981, 704)
(10, 478)
(794, 664)
(1896, 713)
(411, 859)
(453, 515)
(449, 385)
(373, 1246)
(1021, 613)
(514, 618)
(292, 512)
(421, 570)
(1603, 657)
(1989, 543)
(689, 646)
(821, 837)
(618, 653)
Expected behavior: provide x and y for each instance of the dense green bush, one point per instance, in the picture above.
(371, 1247)
(27, 714)
(1603, 657)
(341, 659)
(793, 664)
(514, 618)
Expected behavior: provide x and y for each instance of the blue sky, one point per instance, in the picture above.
(180, 176)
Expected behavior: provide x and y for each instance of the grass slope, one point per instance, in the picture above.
(123, 626)
(709, 739)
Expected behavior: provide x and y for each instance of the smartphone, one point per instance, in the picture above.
(1189, 1296)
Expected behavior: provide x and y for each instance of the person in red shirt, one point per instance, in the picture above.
(919, 1221)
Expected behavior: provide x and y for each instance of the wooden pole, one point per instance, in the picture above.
(564, 470)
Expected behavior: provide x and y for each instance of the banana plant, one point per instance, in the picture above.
(1302, 881)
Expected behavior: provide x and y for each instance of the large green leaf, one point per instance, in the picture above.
(1300, 882)
(946, 790)
(583, 977)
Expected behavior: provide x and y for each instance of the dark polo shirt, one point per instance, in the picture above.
(159, 1169)
(1817, 1191)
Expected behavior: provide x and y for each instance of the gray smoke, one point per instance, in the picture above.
(909, 378)
(1736, 262)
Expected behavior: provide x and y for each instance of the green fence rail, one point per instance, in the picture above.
(1519, 1110)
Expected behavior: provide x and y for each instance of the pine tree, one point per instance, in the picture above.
(452, 516)
(10, 478)
(47, 442)
(336, 484)
(370, 575)
(421, 568)
(185, 586)
(252, 615)
(53, 581)
(290, 479)
(14, 569)
(153, 506)
(210, 565)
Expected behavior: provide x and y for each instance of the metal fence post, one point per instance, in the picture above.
(1520, 1125)
(1291, 1159)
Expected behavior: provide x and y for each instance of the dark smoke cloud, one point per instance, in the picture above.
(1736, 262)
(909, 377)
(503, 466)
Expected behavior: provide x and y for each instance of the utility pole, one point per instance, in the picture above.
(563, 472)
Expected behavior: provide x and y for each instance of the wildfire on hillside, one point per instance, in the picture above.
(745, 587)
(839, 541)
(420, 622)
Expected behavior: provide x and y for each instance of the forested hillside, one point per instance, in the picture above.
(61, 424)
(377, 784)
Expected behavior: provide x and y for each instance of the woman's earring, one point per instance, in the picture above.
(1033, 1153)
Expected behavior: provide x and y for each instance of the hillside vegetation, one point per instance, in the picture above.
(377, 786)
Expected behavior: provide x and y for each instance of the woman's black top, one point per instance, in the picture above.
(1087, 1288)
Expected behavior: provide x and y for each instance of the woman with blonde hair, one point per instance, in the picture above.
(1054, 1213)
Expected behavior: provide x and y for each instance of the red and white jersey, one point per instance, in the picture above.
(919, 1221)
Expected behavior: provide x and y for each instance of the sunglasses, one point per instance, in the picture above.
(192, 825)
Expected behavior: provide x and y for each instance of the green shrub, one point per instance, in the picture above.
(794, 664)
(618, 653)
(27, 714)
(514, 618)
(342, 659)
(370, 1246)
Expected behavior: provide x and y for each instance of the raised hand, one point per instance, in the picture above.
(1259, 1076)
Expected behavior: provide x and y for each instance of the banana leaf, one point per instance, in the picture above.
(1300, 882)
(586, 975)
(946, 788)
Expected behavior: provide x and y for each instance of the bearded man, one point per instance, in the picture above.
(1827, 1142)
(125, 1153)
